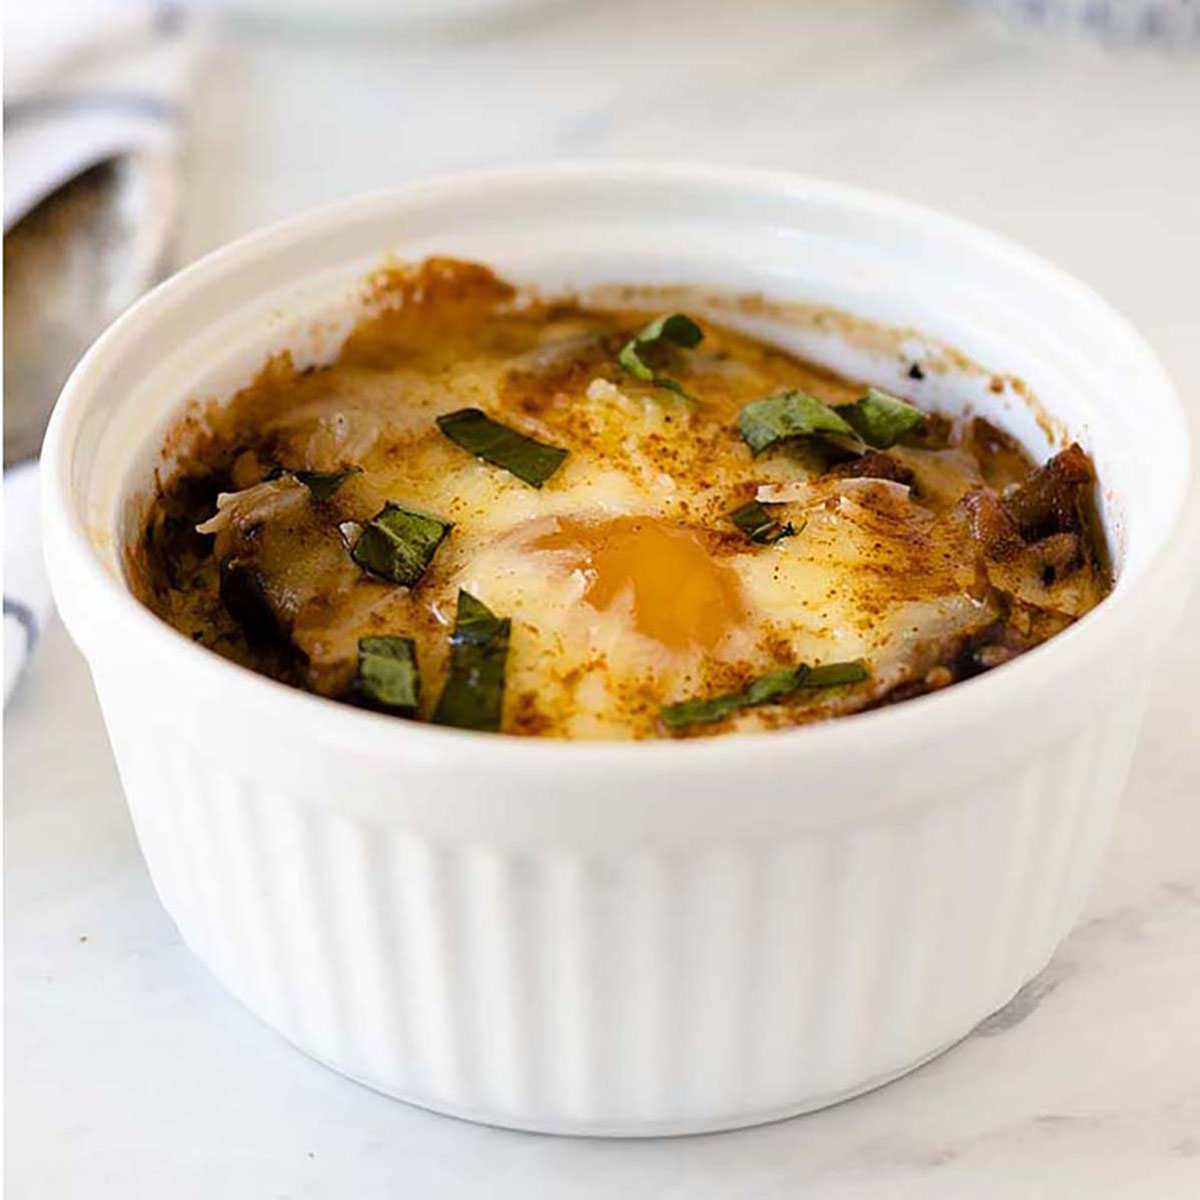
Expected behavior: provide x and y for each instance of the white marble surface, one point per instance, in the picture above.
(130, 1074)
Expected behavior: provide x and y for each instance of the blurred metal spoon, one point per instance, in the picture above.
(72, 265)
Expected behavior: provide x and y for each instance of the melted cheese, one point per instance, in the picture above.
(626, 583)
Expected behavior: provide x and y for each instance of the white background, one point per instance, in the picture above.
(130, 1074)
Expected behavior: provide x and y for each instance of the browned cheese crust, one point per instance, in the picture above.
(626, 582)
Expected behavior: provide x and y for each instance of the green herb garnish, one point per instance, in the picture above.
(676, 328)
(834, 675)
(398, 544)
(787, 415)
(387, 673)
(778, 685)
(774, 686)
(758, 524)
(476, 432)
(322, 484)
(473, 697)
(881, 419)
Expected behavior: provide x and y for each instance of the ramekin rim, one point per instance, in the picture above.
(966, 702)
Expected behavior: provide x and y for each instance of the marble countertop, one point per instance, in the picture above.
(131, 1074)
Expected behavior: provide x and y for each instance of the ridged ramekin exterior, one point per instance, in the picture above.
(669, 989)
(625, 939)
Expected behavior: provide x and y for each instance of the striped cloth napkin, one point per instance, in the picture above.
(85, 82)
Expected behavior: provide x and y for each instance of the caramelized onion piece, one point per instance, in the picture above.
(1049, 499)
(991, 526)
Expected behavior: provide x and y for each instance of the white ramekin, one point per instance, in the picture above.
(625, 938)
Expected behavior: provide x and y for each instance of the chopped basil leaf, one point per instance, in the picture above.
(473, 697)
(763, 423)
(773, 686)
(777, 685)
(387, 673)
(322, 484)
(880, 419)
(758, 524)
(702, 712)
(399, 544)
(676, 328)
(529, 460)
(834, 675)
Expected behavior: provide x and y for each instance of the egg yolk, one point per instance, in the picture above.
(680, 595)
